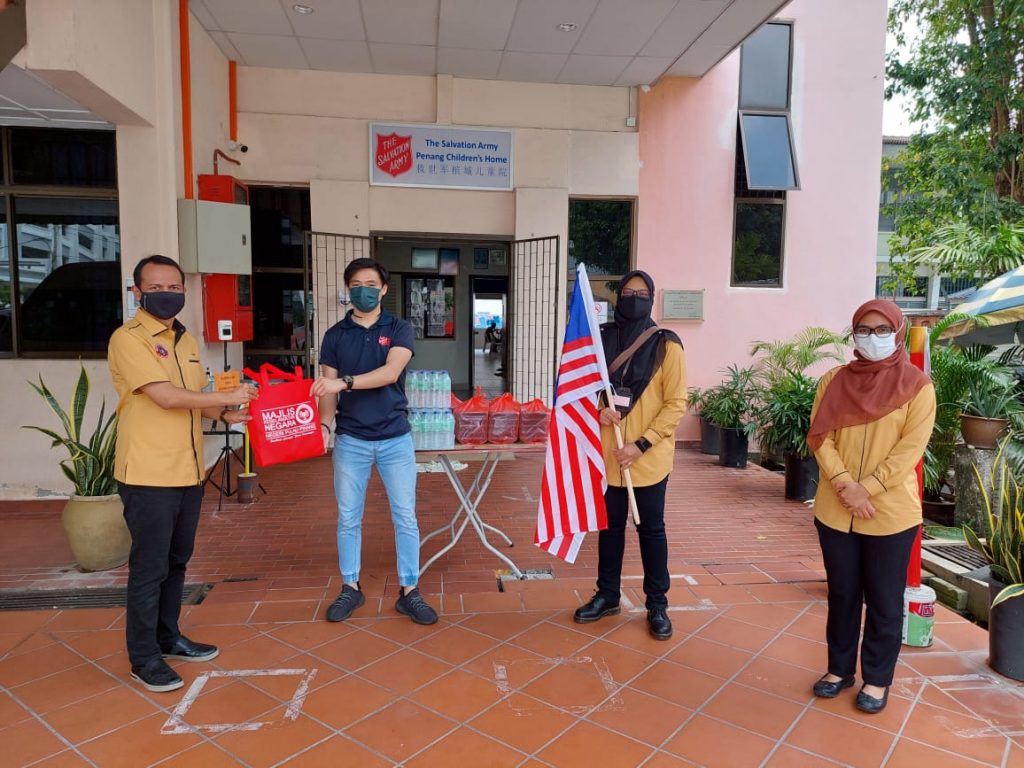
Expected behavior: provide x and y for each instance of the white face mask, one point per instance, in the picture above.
(874, 348)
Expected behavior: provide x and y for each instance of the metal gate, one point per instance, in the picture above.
(533, 332)
(328, 255)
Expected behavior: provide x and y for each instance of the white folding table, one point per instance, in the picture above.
(468, 513)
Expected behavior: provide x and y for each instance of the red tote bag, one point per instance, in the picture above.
(285, 424)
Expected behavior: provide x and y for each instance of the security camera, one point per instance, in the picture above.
(236, 146)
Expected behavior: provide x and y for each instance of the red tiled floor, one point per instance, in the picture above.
(505, 677)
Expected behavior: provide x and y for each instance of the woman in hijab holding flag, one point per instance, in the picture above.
(648, 374)
(871, 421)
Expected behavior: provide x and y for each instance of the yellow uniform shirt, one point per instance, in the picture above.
(656, 415)
(155, 447)
(882, 456)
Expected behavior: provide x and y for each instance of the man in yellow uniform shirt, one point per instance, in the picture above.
(159, 465)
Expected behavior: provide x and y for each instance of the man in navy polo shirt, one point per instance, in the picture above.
(362, 382)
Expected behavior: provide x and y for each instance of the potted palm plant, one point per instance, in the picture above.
(93, 517)
(699, 399)
(732, 411)
(990, 402)
(783, 420)
(1003, 550)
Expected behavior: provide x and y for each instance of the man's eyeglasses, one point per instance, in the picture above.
(641, 293)
(881, 332)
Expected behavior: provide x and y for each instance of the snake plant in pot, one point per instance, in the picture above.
(93, 516)
(783, 421)
(1003, 550)
(731, 410)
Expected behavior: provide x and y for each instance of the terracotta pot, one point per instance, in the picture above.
(981, 432)
(97, 532)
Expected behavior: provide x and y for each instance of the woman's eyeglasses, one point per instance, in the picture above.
(641, 293)
(882, 331)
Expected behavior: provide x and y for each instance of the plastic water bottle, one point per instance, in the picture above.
(413, 389)
(431, 389)
(414, 422)
(449, 429)
(446, 390)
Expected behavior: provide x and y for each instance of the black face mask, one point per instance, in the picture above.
(163, 304)
(635, 307)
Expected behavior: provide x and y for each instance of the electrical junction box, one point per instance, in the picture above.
(214, 237)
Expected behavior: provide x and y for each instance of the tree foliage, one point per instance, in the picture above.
(965, 77)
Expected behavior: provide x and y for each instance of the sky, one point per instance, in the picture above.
(896, 113)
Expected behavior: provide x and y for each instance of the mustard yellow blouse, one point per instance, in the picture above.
(656, 415)
(882, 456)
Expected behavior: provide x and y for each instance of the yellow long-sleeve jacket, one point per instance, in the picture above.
(882, 456)
(655, 416)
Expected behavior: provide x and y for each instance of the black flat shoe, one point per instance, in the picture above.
(658, 623)
(598, 607)
(870, 704)
(824, 689)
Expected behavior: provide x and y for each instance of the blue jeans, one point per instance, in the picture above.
(396, 464)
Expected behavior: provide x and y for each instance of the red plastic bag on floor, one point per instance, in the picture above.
(285, 424)
(471, 420)
(456, 404)
(534, 417)
(504, 420)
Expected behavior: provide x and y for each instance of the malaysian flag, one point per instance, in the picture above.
(572, 489)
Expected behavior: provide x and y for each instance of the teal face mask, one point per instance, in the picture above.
(365, 298)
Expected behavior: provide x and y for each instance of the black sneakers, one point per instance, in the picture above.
(157, 676)
(415, 607)
(349, 599)
(186, 650)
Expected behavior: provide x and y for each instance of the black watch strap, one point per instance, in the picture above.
(643, 444)
(348, 382)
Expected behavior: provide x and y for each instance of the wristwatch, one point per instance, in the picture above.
(348, 382)
(643, 444)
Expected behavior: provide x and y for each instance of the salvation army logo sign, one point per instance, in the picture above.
(394, 154)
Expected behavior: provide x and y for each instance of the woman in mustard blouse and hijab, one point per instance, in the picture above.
(870, 424)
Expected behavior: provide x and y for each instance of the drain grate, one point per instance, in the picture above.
(96, 597)
(960, 554)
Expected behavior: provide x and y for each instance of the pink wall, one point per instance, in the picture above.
(685, 218)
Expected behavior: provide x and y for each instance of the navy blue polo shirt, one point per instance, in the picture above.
(351, 349)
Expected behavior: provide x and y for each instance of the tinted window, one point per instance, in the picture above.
(757, 249)
(50, 157)
(764, 68)
(600, 236)
(68, 255)
(768, 153)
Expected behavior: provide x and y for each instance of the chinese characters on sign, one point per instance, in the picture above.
(439, 156)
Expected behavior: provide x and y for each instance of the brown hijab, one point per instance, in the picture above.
(865, 390)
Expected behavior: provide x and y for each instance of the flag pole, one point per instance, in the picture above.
(584, 282)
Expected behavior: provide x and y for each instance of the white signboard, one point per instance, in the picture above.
(601, 311)
(440, 156)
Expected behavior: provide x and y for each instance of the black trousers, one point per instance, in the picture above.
(611, 543)
(163, 523)
(872, 571)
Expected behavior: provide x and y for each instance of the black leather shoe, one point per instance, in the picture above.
(658, 623)
(156, 675)
(824, 689)
(870, 704)
(598, 607)
(186, 650)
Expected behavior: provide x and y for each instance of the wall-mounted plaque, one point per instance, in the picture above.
(682, 305)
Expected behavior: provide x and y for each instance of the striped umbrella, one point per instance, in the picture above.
(1000, 302)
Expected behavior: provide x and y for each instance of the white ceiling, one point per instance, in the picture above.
(27, 100)
(615, 42)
